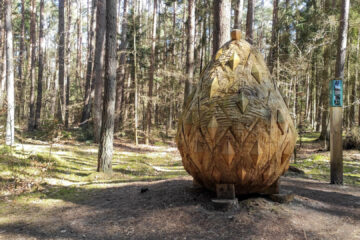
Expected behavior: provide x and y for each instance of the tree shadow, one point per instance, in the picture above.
(170, 209)
(332, 201)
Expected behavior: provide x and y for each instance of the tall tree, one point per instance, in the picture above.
(89, 69)
(33, 65)
(78, 76)
(274, 36)
(357, 66)
(40, 67)
(10, 120)
(221, 32)
(107, 127)
(250, 21)
(325, 81)
(151, 75)
(21, 62)
(239, 13)
(67, 64)
(3, 56)
(136, 103)
(122, 64)
(98, 66)
(190, 48)
(61, 56)
(336, 163)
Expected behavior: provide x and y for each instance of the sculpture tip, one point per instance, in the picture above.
(235, 34)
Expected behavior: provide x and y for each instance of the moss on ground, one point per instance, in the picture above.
(318, 167)
(308, 137)
(28, 170)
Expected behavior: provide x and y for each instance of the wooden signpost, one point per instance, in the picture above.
(336, 102)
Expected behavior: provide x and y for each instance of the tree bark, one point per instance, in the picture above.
(274, 37)
(121, 70)
(10, 121)
(239, 13)
(79, 51)
(21, 62)
(136, 118)
(151, 76)
(107, 128)
(221, 32)
(31, 124)
(98, 66)
(67, 63)
(357, 71)
(61, 55)
(250, 21)
(40, 67)
(89, 70)
(3, 56)
(190, 42)
(325, 82)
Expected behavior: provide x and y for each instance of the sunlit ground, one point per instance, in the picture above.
(40, 174)
(316, 164)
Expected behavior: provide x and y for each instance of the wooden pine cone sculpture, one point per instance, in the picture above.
(235, 127)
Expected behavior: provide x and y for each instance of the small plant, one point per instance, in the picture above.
(5, 150)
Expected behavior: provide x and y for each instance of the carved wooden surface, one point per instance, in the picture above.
(235, 127)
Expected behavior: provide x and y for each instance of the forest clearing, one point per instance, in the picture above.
(179, 119)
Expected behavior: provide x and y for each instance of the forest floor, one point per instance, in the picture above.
(53, 192)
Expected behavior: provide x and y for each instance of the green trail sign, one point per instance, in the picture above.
(336, 93)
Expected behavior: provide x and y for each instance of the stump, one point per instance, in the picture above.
(235, 127)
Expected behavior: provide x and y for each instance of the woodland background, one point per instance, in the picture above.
(152, 69)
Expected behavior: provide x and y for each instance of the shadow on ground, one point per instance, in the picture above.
(173, 209)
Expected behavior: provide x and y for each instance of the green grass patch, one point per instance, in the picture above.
(318, 167)
(30, 168)
(308, 137)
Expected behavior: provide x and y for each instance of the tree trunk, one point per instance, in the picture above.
(61, 61)
(21, 62)
(121, 71)
(221, 32)
(40, 70)
(190, 48)
(89, 70)
(10, 121)
(336, 162)
(357, 70)
(151, 76)
(79, 51)
(107, 127)
(67, 64)
(3, 77)
(98, 66)
(3, 57)
(239, 13)
(325, 83)
(274, 37)
(31, 124)
(136, 117)
(54, 91)
(250, 21)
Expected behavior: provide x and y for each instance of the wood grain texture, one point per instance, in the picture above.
(235, 127)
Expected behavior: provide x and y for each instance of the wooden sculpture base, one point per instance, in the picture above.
(225, 191)
(226, 199)
(274, 188)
